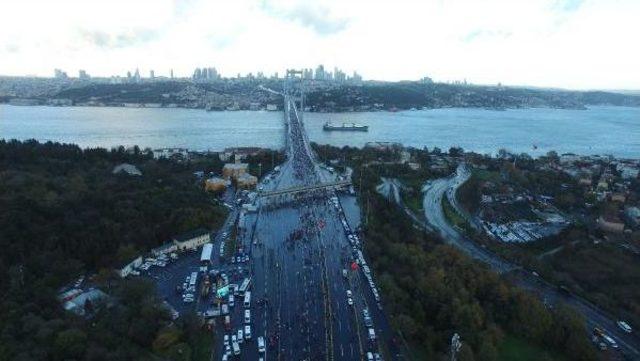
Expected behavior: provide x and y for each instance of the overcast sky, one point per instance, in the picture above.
(581, 44)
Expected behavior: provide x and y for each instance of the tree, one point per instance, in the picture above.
(70, 344)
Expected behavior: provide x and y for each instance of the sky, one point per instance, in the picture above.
(575, 44)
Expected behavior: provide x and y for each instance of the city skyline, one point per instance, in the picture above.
(573, 44)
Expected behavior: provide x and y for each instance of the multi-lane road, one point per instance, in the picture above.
(308, 298)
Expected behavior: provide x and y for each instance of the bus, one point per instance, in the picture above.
(193, 279)
(244, 286)
(247, 299)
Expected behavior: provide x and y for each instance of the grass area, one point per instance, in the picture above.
(202, 347)
(230, 243)
(516, 349)
(487, 175)
(452, 216)
(414, 203)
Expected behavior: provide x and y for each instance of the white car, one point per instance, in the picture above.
(348, 293)
(247, 316)
(625, 326)
(350, 301)
(240, 337)
(369, 356)
(247, 332)
(261, 347)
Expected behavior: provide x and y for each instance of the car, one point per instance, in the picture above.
(247, 316)
(624, 326)
(226, 339)
(348, 293)
(239, 259)
(225, 357)
(240, 337)
(261, 347)
(370, 356)
(246, 258)
(227, 349)
(247, 332)
(377, 357)
(232, 301)
(236, 348)
(350, 301)
(372, 334)
(233, 338)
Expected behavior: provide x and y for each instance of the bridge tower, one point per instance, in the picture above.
(294, 90)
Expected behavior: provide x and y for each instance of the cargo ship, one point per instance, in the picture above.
(345, 126)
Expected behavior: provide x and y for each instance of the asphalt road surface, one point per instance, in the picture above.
(301, 269)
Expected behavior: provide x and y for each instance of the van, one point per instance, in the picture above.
(247, 316)
(261, 348)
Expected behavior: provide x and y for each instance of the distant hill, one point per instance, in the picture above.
(321, 96)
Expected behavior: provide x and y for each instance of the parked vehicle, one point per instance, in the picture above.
(261, 347)
(247, 316)
(247, 332)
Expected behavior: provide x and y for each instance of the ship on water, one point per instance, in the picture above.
(345, 126)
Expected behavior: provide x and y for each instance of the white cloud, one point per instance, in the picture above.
(564, 43)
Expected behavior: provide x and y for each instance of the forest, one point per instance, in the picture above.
(432, 290)
(64, 214)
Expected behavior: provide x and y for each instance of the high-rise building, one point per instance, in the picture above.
(320, 72)
(171, 73)
(59, 74)
(82, 75)
(136, 75)
(152, 74)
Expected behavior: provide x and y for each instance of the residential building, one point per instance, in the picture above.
(610, 225)
(215, 184)
(193, 239)
(247, 181)
(234, 170)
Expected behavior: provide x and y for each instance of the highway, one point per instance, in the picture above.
(433, 194)
(300, 264)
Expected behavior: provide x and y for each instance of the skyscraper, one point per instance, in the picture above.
(59, 74)
(320, 72)
(152, 74)
(82, 75)
(171, 73)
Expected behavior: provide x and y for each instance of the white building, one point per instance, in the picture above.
(192, 240)
(125, 269)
